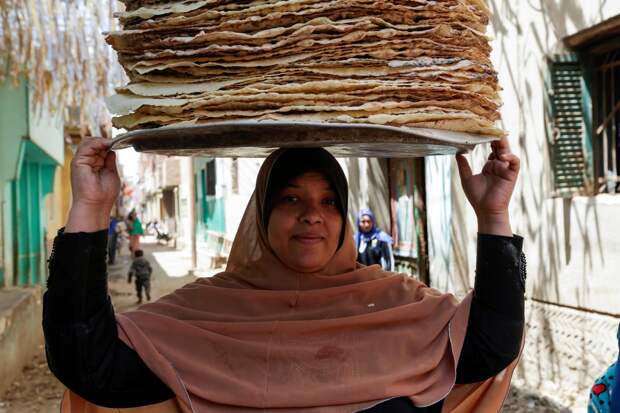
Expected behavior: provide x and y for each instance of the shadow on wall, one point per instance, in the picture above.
(438, 193)
(526, 32)
(462, 243)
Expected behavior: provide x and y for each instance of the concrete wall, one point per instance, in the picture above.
(58, 203)
(20, 331)
(368, 188)
(571, 254)
(46, 130)
(236, 203)
(572, 245)
(439, 214)
(184, 224)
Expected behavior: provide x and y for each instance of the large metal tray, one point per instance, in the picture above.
(255, 139)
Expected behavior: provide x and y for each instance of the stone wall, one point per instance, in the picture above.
(20, 331)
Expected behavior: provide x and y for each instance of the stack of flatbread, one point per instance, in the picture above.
(406, 63)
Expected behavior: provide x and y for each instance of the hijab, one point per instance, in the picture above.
(260, 337)
(373, 233)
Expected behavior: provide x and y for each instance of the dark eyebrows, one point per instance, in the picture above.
(327, 188)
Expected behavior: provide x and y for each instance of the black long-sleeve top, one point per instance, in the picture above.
(84, 351)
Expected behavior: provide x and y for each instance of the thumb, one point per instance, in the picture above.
(464, 168)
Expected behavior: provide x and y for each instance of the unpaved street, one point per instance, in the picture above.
(38, 391)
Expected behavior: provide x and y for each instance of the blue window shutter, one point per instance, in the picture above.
(567, 124)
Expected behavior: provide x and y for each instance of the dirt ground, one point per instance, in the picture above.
(38, 391)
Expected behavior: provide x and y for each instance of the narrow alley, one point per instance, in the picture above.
(37, 390)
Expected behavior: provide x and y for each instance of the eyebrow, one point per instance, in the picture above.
(327, 188)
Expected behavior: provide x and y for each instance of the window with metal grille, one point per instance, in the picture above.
(566, 126)
(606, 117)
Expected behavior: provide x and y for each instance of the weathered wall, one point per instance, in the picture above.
(13, 126)
(57, 204)
(20, 331)
(572, 245)
(368, 188)
(46, 130)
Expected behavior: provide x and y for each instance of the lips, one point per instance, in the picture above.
(308, 237)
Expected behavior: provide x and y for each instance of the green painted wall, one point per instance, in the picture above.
(26, 177)
(210, 209)
(13, 126)
(34, 182)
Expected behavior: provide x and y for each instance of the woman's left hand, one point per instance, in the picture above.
(489, 192)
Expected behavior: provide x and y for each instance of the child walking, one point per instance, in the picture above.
(141, 270)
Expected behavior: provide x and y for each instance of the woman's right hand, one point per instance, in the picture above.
(95, 186)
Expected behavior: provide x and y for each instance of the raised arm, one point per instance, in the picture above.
(81, 339)
(496, 319)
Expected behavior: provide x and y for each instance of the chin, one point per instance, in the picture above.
(307, 267)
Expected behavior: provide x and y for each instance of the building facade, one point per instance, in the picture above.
(558, 63)
(33, 148)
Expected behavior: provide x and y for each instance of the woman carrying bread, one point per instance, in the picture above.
(293, 324)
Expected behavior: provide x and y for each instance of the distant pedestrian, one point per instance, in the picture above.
(134, 226)
(113, 231)
(374, 246)
(141, 269)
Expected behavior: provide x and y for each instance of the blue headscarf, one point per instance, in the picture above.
(374, 233)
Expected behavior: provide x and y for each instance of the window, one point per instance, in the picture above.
(583, 112)
(210, 178)
(605, 78)
(566, 127)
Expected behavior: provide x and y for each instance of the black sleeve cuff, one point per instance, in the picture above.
(501, 274)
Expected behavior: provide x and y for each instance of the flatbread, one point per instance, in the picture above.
(403, 63)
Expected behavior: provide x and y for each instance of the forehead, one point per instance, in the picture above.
(366, 218)
(314, 179)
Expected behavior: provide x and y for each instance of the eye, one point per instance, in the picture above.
(289, 199)
(331, 202)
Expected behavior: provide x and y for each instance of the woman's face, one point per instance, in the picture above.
(305, 224)
(365, 223)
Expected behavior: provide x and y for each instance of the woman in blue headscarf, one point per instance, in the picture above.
(374, 246)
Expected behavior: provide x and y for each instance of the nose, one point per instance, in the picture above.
(311, 214)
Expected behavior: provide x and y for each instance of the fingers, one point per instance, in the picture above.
(464, 168)
(507, 167)
(92, 146)
(502, 162)
(514, 163)
(110, 162)
(500, 147)
(92, 152)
